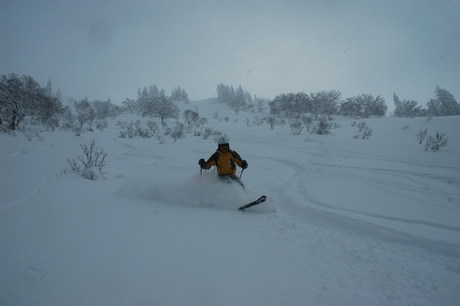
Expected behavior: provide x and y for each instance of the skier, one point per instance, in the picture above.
(225, 160)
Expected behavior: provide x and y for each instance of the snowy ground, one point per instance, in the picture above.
(347, 222)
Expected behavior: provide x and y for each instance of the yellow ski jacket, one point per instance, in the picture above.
(225, 162)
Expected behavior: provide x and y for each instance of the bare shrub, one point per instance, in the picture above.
(30, 134)
(101, 124)
(178, 132)
(131, 130)
(422, 135)
(271, 121)
(322, 127)
(191, 118)
(91, 163)
(153, 127)
(296, 127)
(207, 132)
(435, 143)
(161, 139)
(307, 121)
(364, 132)
(68, 119)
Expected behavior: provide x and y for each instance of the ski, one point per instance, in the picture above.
(258, 201)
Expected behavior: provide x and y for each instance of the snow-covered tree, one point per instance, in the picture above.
(225, 93)
(364, 105)
(179, 95)
(22, 96)
(321, 103)
(85, 114)
(325, 103)
(129, 105)
(406, 108)
(68, 118)
(291, 105)
(443, 104)
(238, 99)
(159, 106)
(14, 99)
(105, 109)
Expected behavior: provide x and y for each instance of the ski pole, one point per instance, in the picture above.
(241, 174)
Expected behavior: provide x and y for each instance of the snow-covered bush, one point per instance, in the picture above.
(153, 127)
(210, 132)
(322, 127)
(307, 121)
(191, 117)
(131, 130)
(161, 139)
(364, 132)
(91, 163)
(178, 132)
(271, 121)
(193, 120)
(101, 124)
(84, 114)
(207, 132)
(68, 119)
(258, 121)
(435, 143)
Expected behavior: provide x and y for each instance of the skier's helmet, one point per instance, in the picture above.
(223, 140)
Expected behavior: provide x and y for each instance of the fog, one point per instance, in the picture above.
(101, 49)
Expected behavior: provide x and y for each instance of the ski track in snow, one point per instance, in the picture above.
(368, 248)
(27, 196)
(297, 208)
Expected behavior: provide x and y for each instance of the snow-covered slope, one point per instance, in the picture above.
(347, 222)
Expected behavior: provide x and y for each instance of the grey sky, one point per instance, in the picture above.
(103, 49)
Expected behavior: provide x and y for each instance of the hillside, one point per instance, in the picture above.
(347, 221)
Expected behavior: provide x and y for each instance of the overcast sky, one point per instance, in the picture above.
(100, 49)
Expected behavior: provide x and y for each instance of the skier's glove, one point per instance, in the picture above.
(244, 164)
(201, 162)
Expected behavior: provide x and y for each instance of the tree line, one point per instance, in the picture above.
(443, 104)
(22, 97)
(327, 103)
(239, 99)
